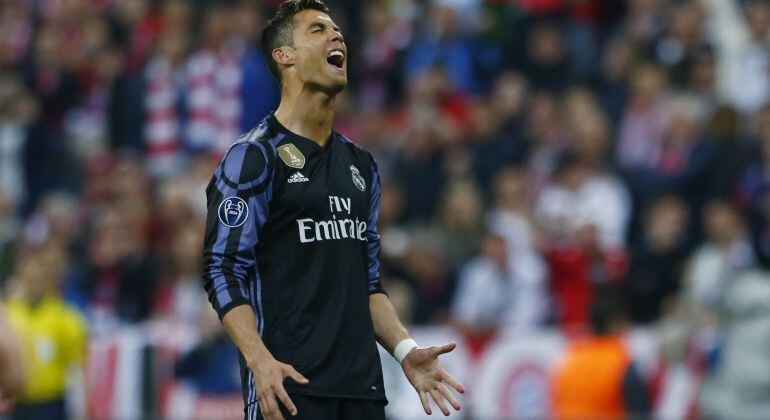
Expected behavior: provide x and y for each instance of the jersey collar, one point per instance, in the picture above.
(293, 137)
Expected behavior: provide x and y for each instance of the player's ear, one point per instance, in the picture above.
(284, 55)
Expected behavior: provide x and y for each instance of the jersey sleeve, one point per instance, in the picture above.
(237, 198)
(372, 236)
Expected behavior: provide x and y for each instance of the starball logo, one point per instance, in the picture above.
(342, 227)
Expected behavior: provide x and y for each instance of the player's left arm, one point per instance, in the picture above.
(421, 365)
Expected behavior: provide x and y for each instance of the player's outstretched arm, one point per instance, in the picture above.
(421, 365)
(269, 373)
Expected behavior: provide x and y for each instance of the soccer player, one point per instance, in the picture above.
(291, 247)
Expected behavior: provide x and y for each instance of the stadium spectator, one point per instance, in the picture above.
(726, 253)
(740, 31)
(597, 377)
(738, 387)
(179, 297)
(495, 292)
(443, 42)
(658, 260)
(547, 58)
(18, 109)
(53, 335)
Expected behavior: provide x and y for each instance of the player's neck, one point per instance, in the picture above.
(308, 114)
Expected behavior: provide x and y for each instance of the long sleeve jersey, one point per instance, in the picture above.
(291, 231)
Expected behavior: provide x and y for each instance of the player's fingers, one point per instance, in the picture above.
(424, 401)
(449, 396)
(269, 407)
(454, 383)
(293, 374)
(287, 402)
(439, 401)
(446, 348)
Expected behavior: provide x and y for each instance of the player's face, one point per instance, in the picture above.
(321, 54)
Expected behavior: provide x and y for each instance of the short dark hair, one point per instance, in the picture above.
(279, 28)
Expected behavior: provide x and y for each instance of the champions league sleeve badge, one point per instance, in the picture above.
(358, 180)
(233, 212)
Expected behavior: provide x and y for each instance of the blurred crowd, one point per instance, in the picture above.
(534, 154)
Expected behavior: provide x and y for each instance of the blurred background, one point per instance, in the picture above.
(576, 191)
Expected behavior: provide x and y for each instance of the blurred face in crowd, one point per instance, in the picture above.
(617, 59)
(177, 14)
(683, 127)
(758, 17)
(508, 95)
(318, 57)
(40, 271)
(647, 83)
(462, 207)
(544, 118)
(248, 20)
(391, 204)
(61, 212)
(484, 120)
(16, 103)
(723, 223)
(173, 45)
(546, 46)
(444, 20)
(703, 75)
(132, 11)
(47, 44)
(186, 249)
(686, 22)
(217, 26)
(496, 250)
(510, 188)
(666, 223)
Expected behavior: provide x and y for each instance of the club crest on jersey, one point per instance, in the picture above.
(291, 156)
(233, 212)
(358, 180)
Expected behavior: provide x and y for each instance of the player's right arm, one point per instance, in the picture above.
(269, 373)
(238, 197)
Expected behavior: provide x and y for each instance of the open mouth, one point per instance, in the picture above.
(336, 58)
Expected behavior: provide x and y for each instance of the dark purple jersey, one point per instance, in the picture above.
(291, 231)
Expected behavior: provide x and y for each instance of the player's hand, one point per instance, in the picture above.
(428, 377)
(269, 375)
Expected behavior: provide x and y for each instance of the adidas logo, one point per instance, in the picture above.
(297, 177)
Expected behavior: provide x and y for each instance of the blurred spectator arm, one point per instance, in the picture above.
(729, 34)
(12, 377)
